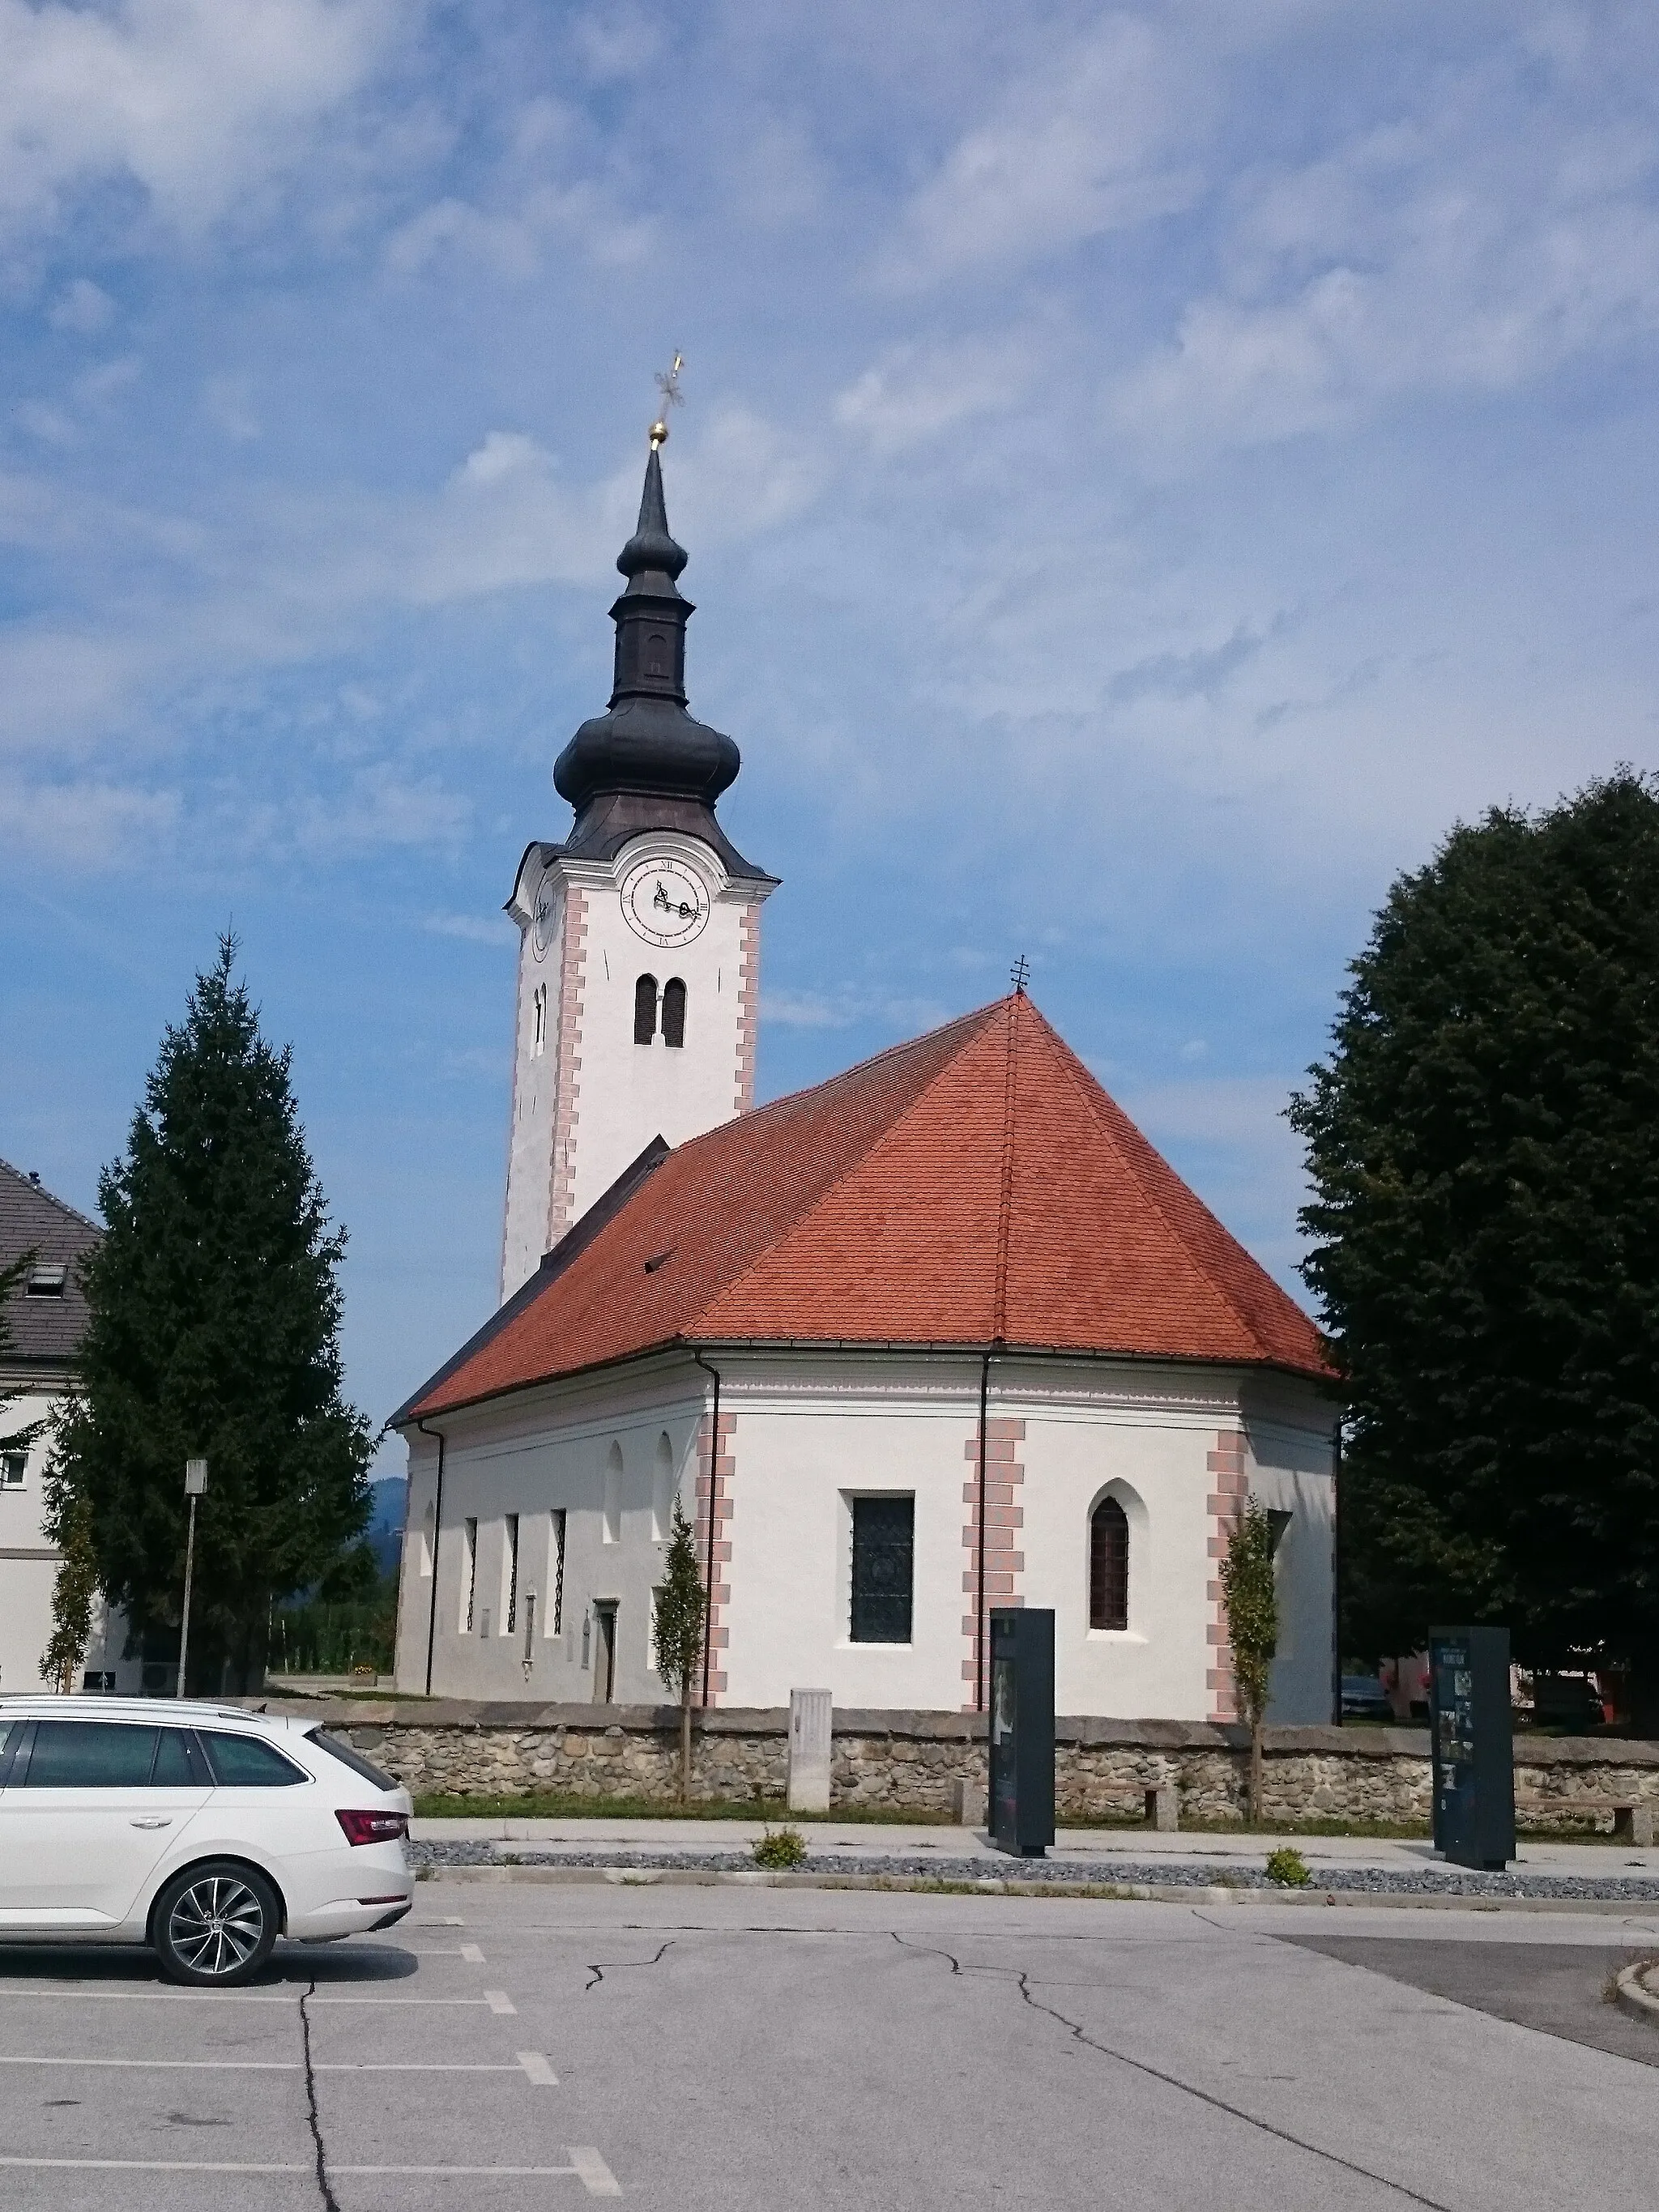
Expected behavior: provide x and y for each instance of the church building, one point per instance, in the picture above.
(943, 1334)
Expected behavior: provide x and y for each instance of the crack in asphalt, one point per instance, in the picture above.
(330, 2202)
(598, 1969)
(1021, 1981)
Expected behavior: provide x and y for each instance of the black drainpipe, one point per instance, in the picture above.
(979, 1570)
(708, 1572)
(437, 1524)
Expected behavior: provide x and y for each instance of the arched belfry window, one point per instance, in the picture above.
(656, 654)
(645, 1010)
(673, 1011)
(1108, 1566)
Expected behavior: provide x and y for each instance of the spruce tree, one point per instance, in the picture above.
(213, 1330)
(1483, 1144)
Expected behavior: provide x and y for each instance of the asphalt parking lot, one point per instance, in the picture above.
(523, 2044)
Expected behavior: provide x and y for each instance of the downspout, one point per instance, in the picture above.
(437, 1525)
(714, 1524)
(979, 1568)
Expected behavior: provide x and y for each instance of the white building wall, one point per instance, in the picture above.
(586, 1100)
(810, 1435)
(28, 1563)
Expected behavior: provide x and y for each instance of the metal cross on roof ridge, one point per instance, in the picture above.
(668, 385)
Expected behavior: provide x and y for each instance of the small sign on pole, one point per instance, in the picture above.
(196, 1474)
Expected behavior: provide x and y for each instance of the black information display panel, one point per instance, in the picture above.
(1473, 1746)
(1022, 1729)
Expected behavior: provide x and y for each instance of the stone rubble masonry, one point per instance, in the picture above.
(912, 1760)
(714, 1497)
(747, 989)
(1226, 1505)
(1003, 1473)
(562, 1195)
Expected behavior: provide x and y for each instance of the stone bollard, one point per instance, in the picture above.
(1164, 1808)
(968, 1803)
(809, 1751)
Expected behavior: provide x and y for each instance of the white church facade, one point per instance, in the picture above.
(943, 1334)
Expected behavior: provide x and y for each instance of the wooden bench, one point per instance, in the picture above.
(1633, 1817)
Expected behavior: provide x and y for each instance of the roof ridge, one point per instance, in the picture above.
(877, 1138)
(39, 1190)
(1090, 1083)
(829, 1082)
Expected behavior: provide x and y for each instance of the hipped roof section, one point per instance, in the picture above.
(976, 1186)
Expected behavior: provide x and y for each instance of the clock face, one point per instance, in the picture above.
(545, 920)
(665, 902)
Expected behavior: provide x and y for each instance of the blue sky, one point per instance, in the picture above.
(1148, 471)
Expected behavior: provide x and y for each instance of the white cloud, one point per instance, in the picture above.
(516, 243)
(191, 101)
(1094, 140)
(472, 928)
(81, 306)
(914, 392)
(227, 401)
(71, 821)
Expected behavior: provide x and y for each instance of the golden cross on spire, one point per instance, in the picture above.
(668, 385)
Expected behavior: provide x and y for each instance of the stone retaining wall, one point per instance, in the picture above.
(911, 1760)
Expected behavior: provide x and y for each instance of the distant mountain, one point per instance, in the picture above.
(388, 1512)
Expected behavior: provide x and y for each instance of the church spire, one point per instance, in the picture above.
(646, 743)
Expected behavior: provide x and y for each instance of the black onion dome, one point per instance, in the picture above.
(646, 742)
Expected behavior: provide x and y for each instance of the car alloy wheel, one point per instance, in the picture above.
(215, 1925)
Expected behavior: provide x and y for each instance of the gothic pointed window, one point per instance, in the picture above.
(1108, 1566)
(673, 1011)
(645, 1010)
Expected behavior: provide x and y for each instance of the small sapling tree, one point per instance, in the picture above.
(1252, 1601)
(680, 1615)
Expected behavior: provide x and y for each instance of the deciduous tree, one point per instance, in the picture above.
(679, 1617)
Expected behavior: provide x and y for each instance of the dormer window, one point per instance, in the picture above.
(47, 1282)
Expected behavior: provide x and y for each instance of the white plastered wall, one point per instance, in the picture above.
(28, 1564)
(811, 1433)
(622, 1094)
(554, 1456)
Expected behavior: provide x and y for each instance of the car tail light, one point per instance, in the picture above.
(372, 1827)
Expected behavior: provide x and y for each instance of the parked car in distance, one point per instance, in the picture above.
(202, 1831)
(1365, 1698)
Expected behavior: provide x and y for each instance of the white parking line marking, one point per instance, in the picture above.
(82, 1993)
(586, 2164)
(535, 2064)
(472, 1955)
(499, 2001)
(596, 2178)
(276, 2065)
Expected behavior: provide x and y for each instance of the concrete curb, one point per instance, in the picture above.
(1634, 1991)
(1132, 1893)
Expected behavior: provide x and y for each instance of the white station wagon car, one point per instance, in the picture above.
(201, 1830)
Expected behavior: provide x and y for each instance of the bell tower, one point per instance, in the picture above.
(639, 944)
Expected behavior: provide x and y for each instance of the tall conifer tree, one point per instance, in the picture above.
(213, 1330)
(1484, 1148)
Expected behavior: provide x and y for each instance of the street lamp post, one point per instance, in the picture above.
(196, 1471)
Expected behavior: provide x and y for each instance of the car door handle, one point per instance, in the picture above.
(154, 1820)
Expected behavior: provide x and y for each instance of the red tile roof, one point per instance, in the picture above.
(977, 1186)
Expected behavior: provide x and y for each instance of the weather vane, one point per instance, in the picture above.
(1020, 974)
(668, 385)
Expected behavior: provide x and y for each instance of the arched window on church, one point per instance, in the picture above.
(645, 1010)
(1108, 1566)
(656, 654)
(673, 1011)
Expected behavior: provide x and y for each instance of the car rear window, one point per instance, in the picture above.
(91, 1755)
(247, 1762)
(348, 1755)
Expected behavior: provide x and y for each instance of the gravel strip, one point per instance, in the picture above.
(1428, 1881)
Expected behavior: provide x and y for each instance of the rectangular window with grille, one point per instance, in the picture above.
(883, 1569)
(555, 1576)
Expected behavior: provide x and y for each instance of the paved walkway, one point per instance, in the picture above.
(856, 1841)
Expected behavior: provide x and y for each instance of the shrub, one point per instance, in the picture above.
(781, 1847)
(1288, 1868)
